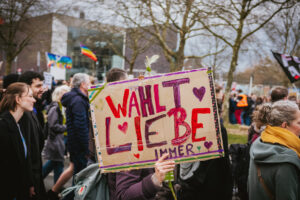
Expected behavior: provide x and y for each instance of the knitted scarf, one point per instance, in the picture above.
(281, 136)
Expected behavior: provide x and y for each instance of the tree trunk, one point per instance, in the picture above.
(171, 60)
(131, 65)
(178, 61)
(233, 64)
(172, 66)
(132, 60)
(8, 65)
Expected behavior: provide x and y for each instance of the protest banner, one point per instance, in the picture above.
(58, 65)
(54, 60)
(48, 80)
(136, 121)
(290, 65)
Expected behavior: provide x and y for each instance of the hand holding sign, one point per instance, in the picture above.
(162, 167)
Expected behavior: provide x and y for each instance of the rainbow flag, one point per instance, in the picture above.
(65, 61)
(86, 51)
(58, 61)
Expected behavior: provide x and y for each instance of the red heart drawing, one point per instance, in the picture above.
(137, 155)
(123, 127)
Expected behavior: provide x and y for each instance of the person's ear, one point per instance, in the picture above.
(284, 125)
(18, 99)
(81, 84)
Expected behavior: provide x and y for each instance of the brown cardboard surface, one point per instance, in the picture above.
(136, 121)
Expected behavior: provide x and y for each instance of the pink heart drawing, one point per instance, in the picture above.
(199, 93)
(208, 144)
(123, 127)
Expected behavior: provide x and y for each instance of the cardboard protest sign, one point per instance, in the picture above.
(48, 80)
(136, 121)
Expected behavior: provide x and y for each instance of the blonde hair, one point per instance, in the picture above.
(58, 92)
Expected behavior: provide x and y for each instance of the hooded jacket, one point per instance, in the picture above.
(77, 114)
(280, 170)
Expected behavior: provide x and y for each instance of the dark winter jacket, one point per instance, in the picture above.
(77, 114)
(38, 110)
(232, 105)
(55, 146)
(280, 170)
(14, 166)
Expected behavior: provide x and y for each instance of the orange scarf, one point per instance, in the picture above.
(281, 136)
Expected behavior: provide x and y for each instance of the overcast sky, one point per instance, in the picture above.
(250, 53)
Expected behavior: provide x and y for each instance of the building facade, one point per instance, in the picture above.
(62, 35)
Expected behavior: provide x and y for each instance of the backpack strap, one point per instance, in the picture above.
(261, 180)
(68, 191)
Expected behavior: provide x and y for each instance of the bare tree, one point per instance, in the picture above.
(284, 31)
(14, 33)
(235, 21)
(121, 30)
(217, 61)
(160, 17)
(135, 41)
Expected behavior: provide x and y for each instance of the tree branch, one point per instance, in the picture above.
(262, 24)
(215, 34)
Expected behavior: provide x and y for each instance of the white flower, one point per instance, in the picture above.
(150, 61)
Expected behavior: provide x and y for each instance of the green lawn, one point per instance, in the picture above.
(237, 139)
(237, 134)
(232, 126)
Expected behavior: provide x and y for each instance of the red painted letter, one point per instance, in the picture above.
(123, 108)
(137, 123)
(135, 104)
(179, 120)
(111, 150)
(195, 124)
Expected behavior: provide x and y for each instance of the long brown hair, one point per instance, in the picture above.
(8, 101)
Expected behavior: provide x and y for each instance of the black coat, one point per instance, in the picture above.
(14, 167)
(212, 180)
(35, 141)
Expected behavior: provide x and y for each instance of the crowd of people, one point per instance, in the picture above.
(241, 106)
(53, 123)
